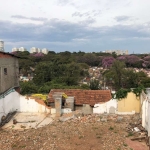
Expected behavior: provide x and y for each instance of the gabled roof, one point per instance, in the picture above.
(7, 55)
(90, 97)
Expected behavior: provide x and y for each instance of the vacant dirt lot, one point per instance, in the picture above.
(81, 133)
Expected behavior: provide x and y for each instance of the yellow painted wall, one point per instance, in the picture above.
(129, 104)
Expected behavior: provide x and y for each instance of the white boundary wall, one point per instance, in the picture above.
(108, 107)
(14, 101)
(30, 105)
(146, 112)
(9, 103)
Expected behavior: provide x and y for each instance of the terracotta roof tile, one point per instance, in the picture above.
(7, 55)
(90, 97)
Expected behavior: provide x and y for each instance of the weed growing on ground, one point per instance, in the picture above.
(80, 137)
(111, 128)
(125, 145)
(130, 134)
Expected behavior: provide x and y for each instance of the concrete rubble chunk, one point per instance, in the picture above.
(78, 113)
(119, 118)
(104, 119)
(66, 118)
(136, 129)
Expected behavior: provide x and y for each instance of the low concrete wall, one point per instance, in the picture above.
(31, 105)
(70, 102)
(146, 112)
(14, 101)
(108, 107)
(9, 103)
(87, 109)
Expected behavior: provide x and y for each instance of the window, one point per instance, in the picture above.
(5, 71)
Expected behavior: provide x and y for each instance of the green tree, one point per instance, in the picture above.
(125, 78)
(114, 54)
(72, 74)
(44, 72)
(24, 66)
(116, 73)
(90, 59)
(130, 79)
(28, 87)
(94, 84)
(146, 82)
(141, 76)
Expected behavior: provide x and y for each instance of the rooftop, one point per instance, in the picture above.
(90, 97)
(7, 55)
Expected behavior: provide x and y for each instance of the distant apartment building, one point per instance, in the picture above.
(1, 46)
(39, 50)
(22, 49)
(44, 51)
(15, 49)
(118, 52)
(33, 50)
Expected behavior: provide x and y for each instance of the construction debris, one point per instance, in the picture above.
(76, 131)
(6, 119)
(135, 130)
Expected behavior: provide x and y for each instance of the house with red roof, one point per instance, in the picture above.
(81, 97)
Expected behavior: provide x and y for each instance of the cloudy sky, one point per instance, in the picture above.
(73, 25)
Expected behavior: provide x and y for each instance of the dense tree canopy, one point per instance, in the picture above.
(125, 78)
(66, 69)
(116, 73)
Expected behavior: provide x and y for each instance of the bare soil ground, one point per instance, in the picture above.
(81, 133)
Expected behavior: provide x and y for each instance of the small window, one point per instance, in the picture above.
(5, 71)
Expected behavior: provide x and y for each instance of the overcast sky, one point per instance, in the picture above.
(73, 25)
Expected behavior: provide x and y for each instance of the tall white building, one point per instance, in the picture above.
(39, 50)
(15, 49)
(45, 51)
(22, 49)
(33, 50)
(118, 52)
(2, 46)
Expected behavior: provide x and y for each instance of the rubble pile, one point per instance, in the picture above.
(136, 131)
(76, 131)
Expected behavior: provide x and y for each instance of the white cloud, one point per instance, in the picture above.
(70, 21)
(102, 11)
